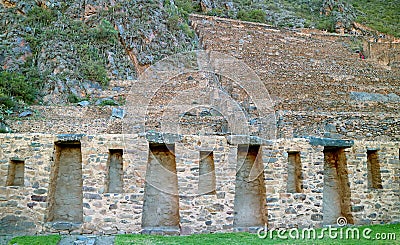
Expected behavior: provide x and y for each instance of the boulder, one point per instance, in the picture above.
(118, 113)
(84, 103)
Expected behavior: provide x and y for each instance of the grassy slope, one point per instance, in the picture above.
(382, 15)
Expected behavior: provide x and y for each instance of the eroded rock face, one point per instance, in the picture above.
(76, 48)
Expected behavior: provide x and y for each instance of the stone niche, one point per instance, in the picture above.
(374, 170)
(249, 203)
(206, 173)
(65, 190)
(294, 181)
(336, 195)
(161, 198)
(15, 176)
(114, 181)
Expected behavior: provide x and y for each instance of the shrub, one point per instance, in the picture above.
(94, 70)
(92, 65)
(104, 32)
(40, 16)
(173, 22)
(187, 30)
(254, 15)
(326, 23)
(15, 87)
(108, 102)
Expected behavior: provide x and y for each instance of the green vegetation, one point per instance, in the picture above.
(43, 27)
(85, 44)
(186, 7)
(246, 238)
(35, 240)
(236, 238)
(382, 15)
(108, 102)
(255, 15)
(92, 65)
(178, 14)
(15, 88)
(38, 16)
(104, 32)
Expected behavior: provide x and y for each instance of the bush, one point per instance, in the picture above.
(326, 23)
(94, 70)
(108, 102)
(92, 65)
(104, 32)
(254, 15)
(15, 87)
(187, 30)
(173, 22)
(40, 16)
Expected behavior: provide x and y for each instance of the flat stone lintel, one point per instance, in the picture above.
(329, 142)
(65, 138)
(162, 138)
(247, 140)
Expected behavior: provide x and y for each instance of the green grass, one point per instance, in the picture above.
(36, 240)
(246, 238)
(231, 238)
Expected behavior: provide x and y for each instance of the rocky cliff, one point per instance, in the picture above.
(69, 50)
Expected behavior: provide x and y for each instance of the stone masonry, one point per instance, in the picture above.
(25, 209)
(294, 131)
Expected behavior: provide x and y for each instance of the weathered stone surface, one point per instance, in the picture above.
(92, 196)
(357, 208)
(316, 217)
(65, 225)
(69, 137)
(118, 113)
(247, 140)
(329, 142)
(65, 190)
(290, 210)
(38, 198)
(162, 138)
(84, 103)
(25, 114)
(13, 224)
(363, 96)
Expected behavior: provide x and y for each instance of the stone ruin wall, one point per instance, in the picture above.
(29, 208)
(99, 183)
(319, 86)
(386, 53)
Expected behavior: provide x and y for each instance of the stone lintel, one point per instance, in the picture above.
(247, 140)
(17, 159)
(69, 138)
(162, 138)
(329, 142)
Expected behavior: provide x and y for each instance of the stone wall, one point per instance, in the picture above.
(27, 209)
(318, 84)
(386, 53)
